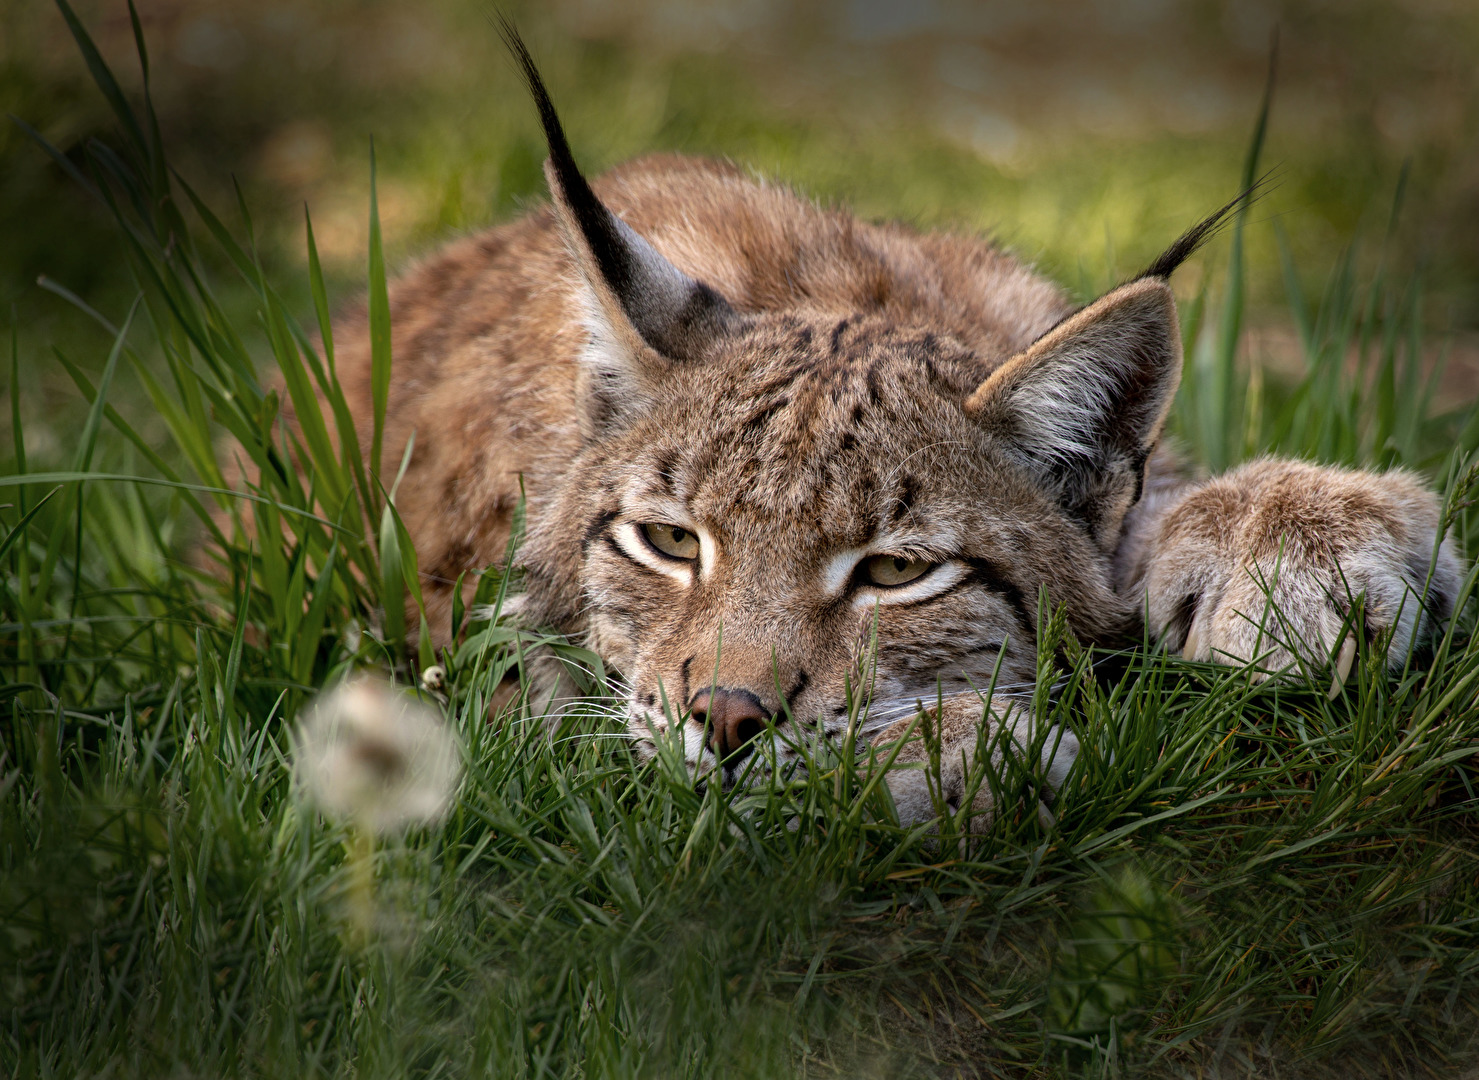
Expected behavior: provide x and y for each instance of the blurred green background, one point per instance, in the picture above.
(1084, 134)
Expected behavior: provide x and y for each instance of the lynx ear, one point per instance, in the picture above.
(1082, 407)
(644, 313)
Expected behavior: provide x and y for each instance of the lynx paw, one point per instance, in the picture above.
(1263, 564)
(957, 725)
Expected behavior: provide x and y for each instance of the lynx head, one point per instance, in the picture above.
(779, 514)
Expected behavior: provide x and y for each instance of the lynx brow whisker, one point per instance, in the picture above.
(898, 468)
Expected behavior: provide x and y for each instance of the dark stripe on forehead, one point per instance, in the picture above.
(905, 501)
(937, 380)
(663, 467)
(989, 575)
(837, 334)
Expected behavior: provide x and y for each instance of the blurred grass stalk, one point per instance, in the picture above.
(1364, 398)
(1211, 396)
(305, 482)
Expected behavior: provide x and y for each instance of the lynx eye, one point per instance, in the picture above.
(671, 540)
(890, 570)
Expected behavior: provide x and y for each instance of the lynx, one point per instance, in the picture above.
(773, 453)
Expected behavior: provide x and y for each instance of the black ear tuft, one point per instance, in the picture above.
(1188, 242)
(596, 222)
(671, 312)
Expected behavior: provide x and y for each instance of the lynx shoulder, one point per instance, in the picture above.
(776, 457)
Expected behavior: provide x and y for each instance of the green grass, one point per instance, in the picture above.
(1242, 877)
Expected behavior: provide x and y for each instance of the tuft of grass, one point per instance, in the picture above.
(1241, 876)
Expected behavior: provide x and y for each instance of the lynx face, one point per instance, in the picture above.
(762, 496)
(803, 486)
(749, 519)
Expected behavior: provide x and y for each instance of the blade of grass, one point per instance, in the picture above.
(1219, 414)
(379, 315)
(82, 458)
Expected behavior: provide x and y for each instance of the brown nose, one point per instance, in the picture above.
(731, 719)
